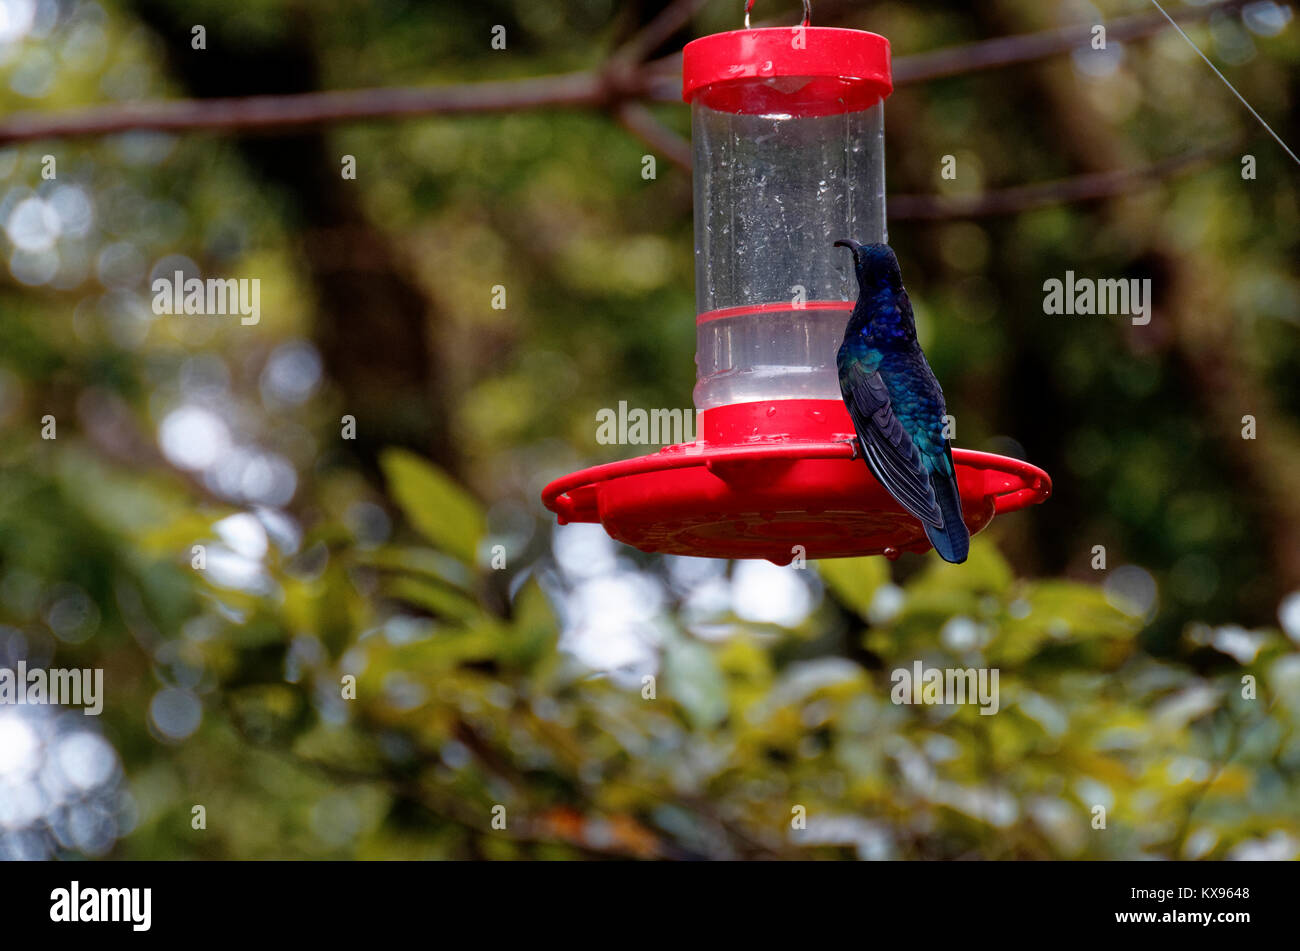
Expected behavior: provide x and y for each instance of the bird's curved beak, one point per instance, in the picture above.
(851, 245)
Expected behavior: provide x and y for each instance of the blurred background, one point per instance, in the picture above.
(1163, 687)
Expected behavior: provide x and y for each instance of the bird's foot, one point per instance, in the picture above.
(854, 445)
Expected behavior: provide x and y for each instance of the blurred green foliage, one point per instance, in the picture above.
(1120, 688)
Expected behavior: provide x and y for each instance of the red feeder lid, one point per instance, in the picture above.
(759, 496)
(805, 70)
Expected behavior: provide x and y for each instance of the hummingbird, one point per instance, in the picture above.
(896, 403)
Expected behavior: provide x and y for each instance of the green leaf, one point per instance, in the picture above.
(695, 682)
(437, 599)
(420, 561)
(985, 571)
(437, 507)
(854, 581)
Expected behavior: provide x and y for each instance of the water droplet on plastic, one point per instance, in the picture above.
(891, 553)
(771, 411)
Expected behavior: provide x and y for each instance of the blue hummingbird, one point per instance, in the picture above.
(896, 403)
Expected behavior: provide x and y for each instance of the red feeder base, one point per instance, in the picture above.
(741, 492)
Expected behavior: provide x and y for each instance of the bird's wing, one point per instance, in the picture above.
(889, 451)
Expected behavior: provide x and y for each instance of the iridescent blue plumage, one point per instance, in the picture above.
(896, 403)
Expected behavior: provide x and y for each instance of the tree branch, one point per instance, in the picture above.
(618, 86)
(278, 113)
(1090, 187)
(638, 120)
(1026, 47)
(599, 88)
(659, 30)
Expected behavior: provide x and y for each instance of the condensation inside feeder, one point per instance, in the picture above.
(774, 189)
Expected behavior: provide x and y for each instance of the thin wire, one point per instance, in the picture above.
(1257, 116)
(749, 5)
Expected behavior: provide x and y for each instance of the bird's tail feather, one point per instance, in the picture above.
(952, 542)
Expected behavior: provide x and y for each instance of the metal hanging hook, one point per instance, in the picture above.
(807, 12)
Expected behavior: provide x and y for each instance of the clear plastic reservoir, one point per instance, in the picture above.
(784, 166)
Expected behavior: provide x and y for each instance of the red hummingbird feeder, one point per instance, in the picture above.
(788, 156)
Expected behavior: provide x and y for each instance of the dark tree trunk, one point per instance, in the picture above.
(373, 324)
